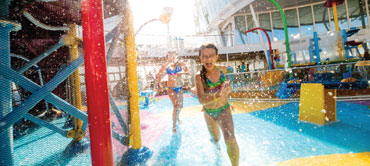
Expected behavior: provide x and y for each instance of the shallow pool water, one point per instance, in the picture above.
(264, 137)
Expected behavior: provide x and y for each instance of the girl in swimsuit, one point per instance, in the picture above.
(212, 91)
(174, 70)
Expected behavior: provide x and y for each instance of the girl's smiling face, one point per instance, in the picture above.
(172, 56)
(208, 58)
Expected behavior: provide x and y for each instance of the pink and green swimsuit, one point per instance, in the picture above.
(211, 87)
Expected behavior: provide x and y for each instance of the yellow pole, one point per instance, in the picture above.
(72, 42)
(336, 24)
(135, 131)
(335, 13)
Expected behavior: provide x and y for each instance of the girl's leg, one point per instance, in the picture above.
(227, 126)
(179, 105)
(172, 95)
(213, 127)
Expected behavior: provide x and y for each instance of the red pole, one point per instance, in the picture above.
(96, 83)
(268, 38)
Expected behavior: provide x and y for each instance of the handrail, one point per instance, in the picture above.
(295, 68)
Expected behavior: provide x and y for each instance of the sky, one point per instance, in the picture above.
(182, 20)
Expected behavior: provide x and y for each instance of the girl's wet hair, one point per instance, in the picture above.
(177, 62)
(203, 69)
(209, 45)
(170, 52)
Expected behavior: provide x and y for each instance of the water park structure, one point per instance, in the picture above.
(77, 85)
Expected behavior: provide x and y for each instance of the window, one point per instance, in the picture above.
(278, 26)
(321, 19)
(357, 13)
(306, 21)
(364, 12)
(111, 77)
(265, 23)
(252, 36)
(226, 37)
(240, 28)
(116, 75)
(292, 21)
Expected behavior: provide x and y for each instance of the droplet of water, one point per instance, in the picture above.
(326, 119)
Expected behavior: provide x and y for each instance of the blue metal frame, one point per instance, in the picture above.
(115, 109)
(38, 94)
(345, 36)
(9, 117)
(346, 48)
(113, 43)
(294, 56)
(119, 137)
(41, 57)
(46, 124)
(38, 71)
(113, 35)
(269, 59)
(317, 48)
(314, 49)
(61, 104)
(6, 138)
(33, 87)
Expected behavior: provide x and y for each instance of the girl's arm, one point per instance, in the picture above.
(186, 70)
(224, 69)
(225, 90)
(159, 74)
(204, 98)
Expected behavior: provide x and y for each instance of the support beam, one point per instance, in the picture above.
(72, 41)
(137, 153)
(96, 82)
(336, 23)
(25, 83)
(46, 124)
(132, 80)
(6, 138)
(41, 57)
(37, 96)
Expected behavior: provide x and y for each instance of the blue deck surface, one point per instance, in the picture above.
(45, 147)
(264, 137)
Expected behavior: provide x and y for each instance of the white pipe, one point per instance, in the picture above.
(41, 25)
